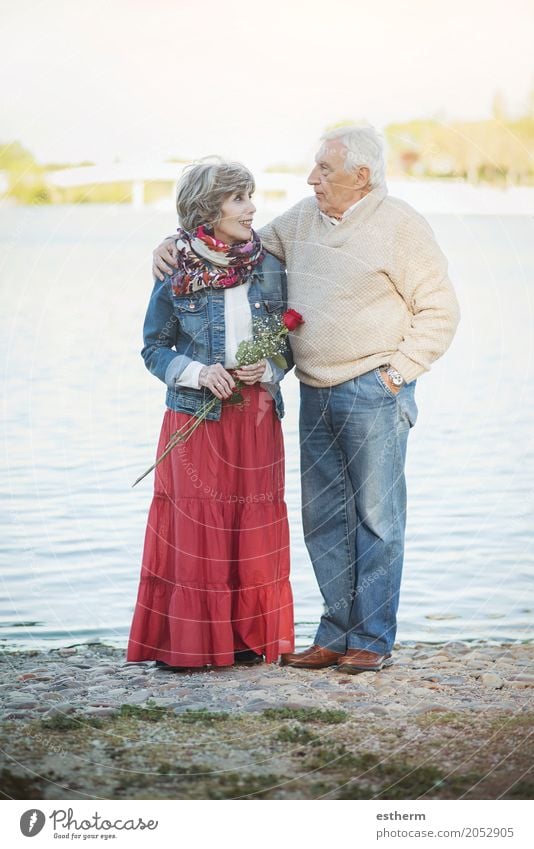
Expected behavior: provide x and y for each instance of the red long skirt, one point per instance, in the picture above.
(215, 570)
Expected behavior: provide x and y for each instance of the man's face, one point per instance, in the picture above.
(335, 188)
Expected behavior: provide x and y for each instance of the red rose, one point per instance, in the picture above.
(292, 319)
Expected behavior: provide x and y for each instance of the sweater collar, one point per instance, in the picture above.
(359, 211)
(347, 212)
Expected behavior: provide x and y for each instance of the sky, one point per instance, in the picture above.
(153, 79)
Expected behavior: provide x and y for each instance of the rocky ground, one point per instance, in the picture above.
(447, 721)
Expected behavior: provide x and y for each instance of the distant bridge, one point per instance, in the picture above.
(271, 188)
(278, 191)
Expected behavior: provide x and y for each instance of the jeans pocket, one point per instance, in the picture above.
(408, 407)
(384, 385)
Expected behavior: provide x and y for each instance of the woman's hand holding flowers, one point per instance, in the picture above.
(251, 374)
(217, 380)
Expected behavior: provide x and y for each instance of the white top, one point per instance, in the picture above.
(238, 328)
(345, 214)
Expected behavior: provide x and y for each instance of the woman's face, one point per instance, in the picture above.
(236, 217)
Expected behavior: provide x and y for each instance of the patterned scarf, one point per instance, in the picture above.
(204, 261)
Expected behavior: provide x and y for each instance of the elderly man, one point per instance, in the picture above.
(365, 271)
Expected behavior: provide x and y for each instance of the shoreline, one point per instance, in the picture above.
(81, 722)
(54, 645)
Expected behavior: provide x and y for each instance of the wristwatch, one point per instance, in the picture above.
(394, 375)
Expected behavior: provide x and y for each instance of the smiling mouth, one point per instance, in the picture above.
(247, 223)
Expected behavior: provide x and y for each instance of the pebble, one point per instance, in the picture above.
(378, 710)
(166, 702)
(473, 655)
(117, 692)
(138, 681)
(15, 704)
(15, 714)
(491, 680)
(430, 707)
(382, 680)
(342, 697)
(386, 692)
(137, 698)
(524, 678)
(96, 681)
(100, 711)
(457, 647)
(59, 709)
(103, 670)
(68, 693)
(367, 677)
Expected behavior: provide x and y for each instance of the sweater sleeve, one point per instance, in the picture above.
(420, 275)
(277, 235)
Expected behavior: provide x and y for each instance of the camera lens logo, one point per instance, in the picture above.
(31, 822)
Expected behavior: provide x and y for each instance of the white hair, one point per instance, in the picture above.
(365, 146)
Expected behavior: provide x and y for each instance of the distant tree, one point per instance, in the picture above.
(499, 108)
(60, 166)
(495, 151)
(13, 156)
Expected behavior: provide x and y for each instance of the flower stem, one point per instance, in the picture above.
(181, 435)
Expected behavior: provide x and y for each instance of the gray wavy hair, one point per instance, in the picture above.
(365, 146)
(203, 188)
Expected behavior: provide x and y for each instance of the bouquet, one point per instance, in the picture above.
(269, 341)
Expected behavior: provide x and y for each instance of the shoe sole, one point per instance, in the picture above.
(354, 670)
(303, 665)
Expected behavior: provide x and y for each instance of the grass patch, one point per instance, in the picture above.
(165, 768)
(368, 776)
(330, 717)
(337, 757)
(69, 722)
(296, 734)
(448, 718)
(199, 782)
(149, 713)
(14, 786)
(189, 717)
(400, 780)
(521, 790)
(233, 785)
(150, 752)
(508, 722)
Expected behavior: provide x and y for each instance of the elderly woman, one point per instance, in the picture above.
(214, 587)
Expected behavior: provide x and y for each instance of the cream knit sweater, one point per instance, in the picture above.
(373, 289)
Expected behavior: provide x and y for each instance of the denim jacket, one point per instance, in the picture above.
(182, 328)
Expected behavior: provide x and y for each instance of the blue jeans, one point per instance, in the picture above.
(353, 439)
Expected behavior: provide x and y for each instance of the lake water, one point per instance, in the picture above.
(81, 416)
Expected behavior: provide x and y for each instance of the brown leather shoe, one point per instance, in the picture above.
(360, 660)
(316, 657)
